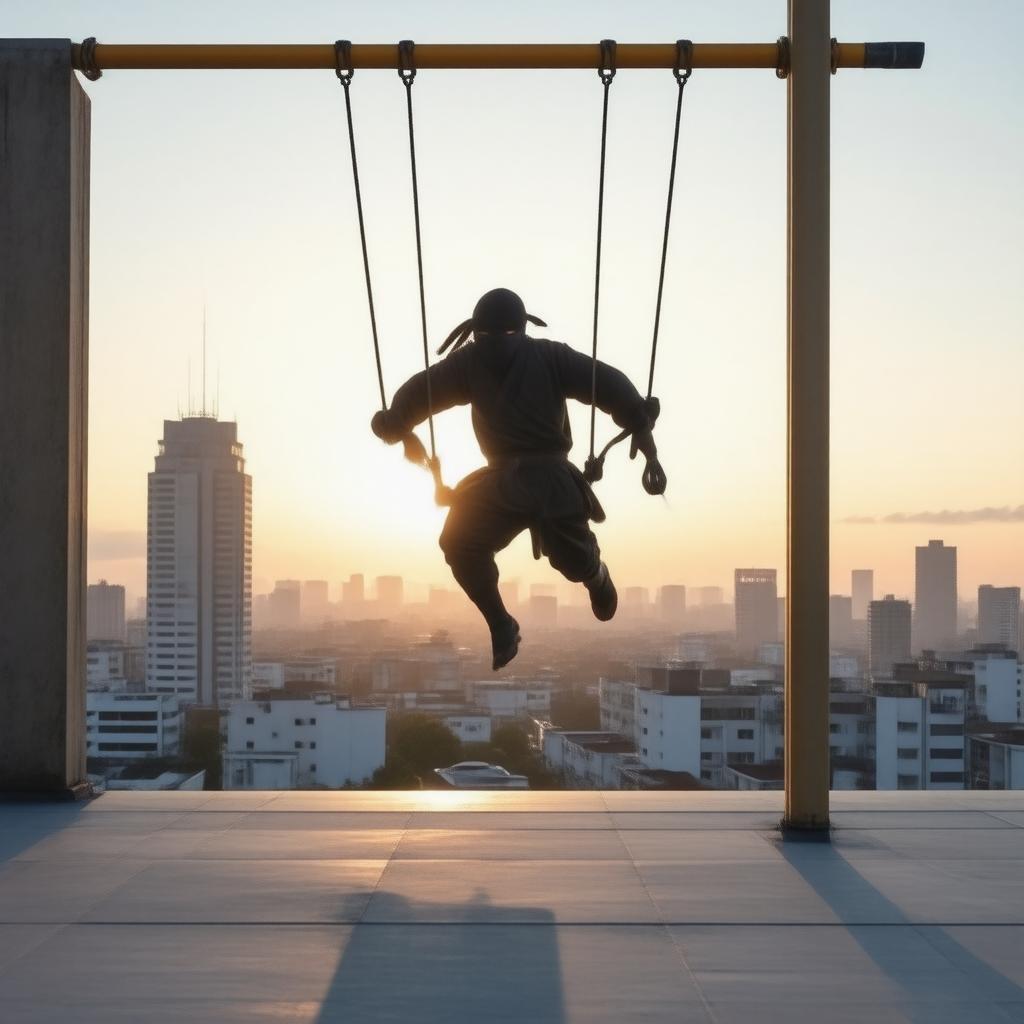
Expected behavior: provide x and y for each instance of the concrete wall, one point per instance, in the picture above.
(44, 277)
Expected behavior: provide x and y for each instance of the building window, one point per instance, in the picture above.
(835, 728)
(906, 726)
(298, 744)
(705, 734)
(907, 781)
(705, 755)
(249, 745)
(312, 721)
(907, 753)
(747, 758)
(705, 775)
(645, 730)
(250, 721)
(936, 753)
(312, 745)
(947, 777)
(298, 721)
(312, 767)
(744, 734)
(946, 730)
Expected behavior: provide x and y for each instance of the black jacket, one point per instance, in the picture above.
(518, 388)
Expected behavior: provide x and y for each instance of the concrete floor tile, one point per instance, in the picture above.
(689, 845)
(904, 820)
(955, 843)
(177, 1011)
(766, 821)
(43, 892)
(299, 844)
(764, 892)
(508, 892)
(942, 892)
(700, 801)
(519, 820)
(303, 821)
(192, 962)
(818, 965)
(213, 891)
(19, 940)
(511, 844)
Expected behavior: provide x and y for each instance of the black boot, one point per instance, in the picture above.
(504, 642)
(604, 600)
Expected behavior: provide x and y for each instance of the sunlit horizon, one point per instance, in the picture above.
(231, 191)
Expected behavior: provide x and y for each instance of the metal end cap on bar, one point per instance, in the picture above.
(893, 55)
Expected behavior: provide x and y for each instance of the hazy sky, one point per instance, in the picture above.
(234, 188)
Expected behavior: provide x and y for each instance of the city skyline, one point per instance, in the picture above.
(298, 374)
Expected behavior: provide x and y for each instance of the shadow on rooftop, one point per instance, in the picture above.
(435, 963)
(853, 898)
(23, 824)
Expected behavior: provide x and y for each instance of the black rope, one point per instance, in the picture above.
(682, 71)
(407, 73)
(345, 72)
(606, 72)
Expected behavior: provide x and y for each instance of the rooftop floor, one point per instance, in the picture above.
(175, 908)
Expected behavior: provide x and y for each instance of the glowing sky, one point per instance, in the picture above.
(234, 188)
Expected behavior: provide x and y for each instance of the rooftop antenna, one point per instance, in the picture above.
(216, 397)
(203, 413)
(189, 393)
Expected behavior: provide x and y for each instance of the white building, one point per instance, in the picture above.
(509, 699)
(104, 612)
(199, 564)
(999, 616)
(132, 725)
(997, 676)
(295, 743)
(106, 666)
(919, 732)
(469, 727)
(272, 675)
(996, 757)
(587, 760)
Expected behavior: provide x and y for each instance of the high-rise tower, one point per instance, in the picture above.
(935, 602)
(757, 610)
(199, 564)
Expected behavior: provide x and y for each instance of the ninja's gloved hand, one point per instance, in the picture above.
(643, 441)
(384, 427)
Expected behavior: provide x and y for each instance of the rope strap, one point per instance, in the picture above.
(606, 72)
(345, 72)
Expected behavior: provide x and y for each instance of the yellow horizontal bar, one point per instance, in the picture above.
(111, 56)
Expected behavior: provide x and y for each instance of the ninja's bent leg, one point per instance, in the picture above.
(471, 536)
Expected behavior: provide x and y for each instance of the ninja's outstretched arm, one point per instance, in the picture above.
(449, 386)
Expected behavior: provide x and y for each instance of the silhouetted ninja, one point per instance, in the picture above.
(518, 388)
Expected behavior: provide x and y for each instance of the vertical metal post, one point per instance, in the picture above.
(807, 652)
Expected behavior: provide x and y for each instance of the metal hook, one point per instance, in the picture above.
(606, 71)
(407, 61)
(343, 61)
(684, 61)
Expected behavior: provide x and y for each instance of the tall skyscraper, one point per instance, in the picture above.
(998, 616)
(672, 604)
(888, 634)
(104, 612)
(757, 614)
(935, 598)
(199, 564)
(862, 590)
(840, 620)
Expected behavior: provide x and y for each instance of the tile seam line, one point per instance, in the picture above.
(655, 924)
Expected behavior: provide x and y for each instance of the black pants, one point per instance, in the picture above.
(494, 506)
